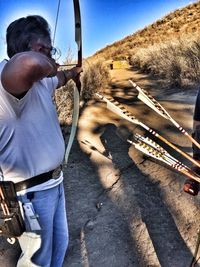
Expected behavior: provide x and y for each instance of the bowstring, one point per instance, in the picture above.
(56, 23)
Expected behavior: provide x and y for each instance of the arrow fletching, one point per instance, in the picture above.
(118, 109)
(145, 97)
(149, 147)
(156, 147)
(153, 150)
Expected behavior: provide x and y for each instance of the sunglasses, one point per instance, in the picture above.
(48, 50)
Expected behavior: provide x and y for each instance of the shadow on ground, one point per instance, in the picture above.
(104, 223)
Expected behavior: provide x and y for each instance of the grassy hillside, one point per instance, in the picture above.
(185, 21)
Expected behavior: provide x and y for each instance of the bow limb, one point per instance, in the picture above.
(78, 38)
(77, 89)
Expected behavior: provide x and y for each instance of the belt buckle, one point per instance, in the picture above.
(56, 172)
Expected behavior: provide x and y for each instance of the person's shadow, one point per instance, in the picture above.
(170, 248)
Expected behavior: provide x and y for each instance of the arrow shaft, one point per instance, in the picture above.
(163, 158)
(161, 150)
(156, 106)
(120, 110)
(170, 144)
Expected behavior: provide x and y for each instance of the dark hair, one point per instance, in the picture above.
(22, 31)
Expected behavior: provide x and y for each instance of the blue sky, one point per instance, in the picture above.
(103, 21)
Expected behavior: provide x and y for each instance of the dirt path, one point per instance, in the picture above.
(125, 211)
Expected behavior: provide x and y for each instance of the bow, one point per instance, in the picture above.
(77, 89)
(78, 35)
(120, 110)
(145, 97)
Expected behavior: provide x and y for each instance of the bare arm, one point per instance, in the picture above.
(23, 69)
(65, 75)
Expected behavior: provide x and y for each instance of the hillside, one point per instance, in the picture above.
(184, 21)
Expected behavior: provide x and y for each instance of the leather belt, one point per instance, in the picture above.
(38, 179)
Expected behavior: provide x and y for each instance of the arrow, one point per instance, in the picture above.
(145, 97)
(120, 110)
(152, 149)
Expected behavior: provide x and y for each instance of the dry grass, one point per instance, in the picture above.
(64, 103)
(152, 50)
(95, 77)
(168, 48)
(176, 62)
(174, 25)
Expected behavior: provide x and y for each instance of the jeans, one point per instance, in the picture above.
(47, 248)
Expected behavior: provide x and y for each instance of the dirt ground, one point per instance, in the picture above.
(125, 210)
